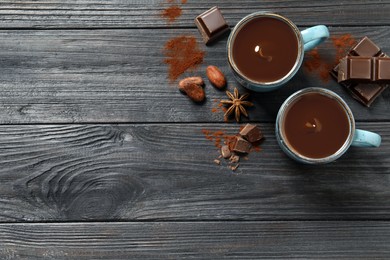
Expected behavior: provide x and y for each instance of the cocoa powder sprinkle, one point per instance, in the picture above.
(172, 13)
(315, 63)
(182, 53)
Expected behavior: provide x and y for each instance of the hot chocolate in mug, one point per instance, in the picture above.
(265, 50)
(316, 126)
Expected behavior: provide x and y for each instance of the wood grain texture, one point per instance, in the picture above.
(131, 14)
(55, 76)
(197, 240)
(166, 172)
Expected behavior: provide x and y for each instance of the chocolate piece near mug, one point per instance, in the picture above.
(365, 93)
(366, 48)
(234, 158)
(358, 68)
(211, 24)
(225, 151)
(354, 68)
(241, 145)
(382, 66)
(251, 133)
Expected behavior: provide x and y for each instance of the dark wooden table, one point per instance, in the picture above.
(102, 158)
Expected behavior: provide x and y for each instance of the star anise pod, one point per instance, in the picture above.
(237, 104)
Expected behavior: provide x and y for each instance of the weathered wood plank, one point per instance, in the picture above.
(166, 172)
(118, 76)
(199, 240)
(125, 14)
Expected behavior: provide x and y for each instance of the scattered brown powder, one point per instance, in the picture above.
(342, 44)
(314, 62)
(217, 137)
(182, 53)
(220, 138)
(218, 107)
(172, 13)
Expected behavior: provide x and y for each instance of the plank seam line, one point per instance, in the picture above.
(38, 28)
(192, 221)
(164, 123)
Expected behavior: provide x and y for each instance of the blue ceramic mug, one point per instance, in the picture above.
(355, 137)
(306, 39)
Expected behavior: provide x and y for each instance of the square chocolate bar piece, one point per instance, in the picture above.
(211, 24)
(365, 48)
(241, 145)
(355, 68)
(364, 92)
(251, 133)
(382, 66)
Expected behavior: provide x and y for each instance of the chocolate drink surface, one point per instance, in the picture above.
(316, 125)
(265, 49)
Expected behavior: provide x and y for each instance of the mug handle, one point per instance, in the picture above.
(363, 138)
(313, 36)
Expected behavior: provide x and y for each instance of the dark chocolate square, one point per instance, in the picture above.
(251, 133)
(241, 145)
(365, 93)
(211, 24)
(382, 69)
(365, 48)
(359, 68)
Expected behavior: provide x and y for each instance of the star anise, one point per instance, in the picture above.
(237, 104)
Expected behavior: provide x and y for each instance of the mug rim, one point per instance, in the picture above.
(258, 85)
(293, 153)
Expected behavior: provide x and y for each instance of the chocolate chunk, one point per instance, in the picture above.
(364, 92)
(358, 68)
(367, 92)
(211, 24)
(225, 151)
(354, 68)
(241, 145)
(382, 66)
(234, 158)
(234, 167)
(251, 133)
(365, 48)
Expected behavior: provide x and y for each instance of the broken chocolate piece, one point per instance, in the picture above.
(251, 133)
(241, 145)
(366, 48)
(225, 151)
(211, 24)
(382, 66)
(234, 167)
(234, 158)
(356, 68)
(367, 92)
(364, 92)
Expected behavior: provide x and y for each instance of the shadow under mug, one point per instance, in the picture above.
(307, 39)
(356, 137)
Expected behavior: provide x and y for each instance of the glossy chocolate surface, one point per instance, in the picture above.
(316, 125)
(265, 49)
